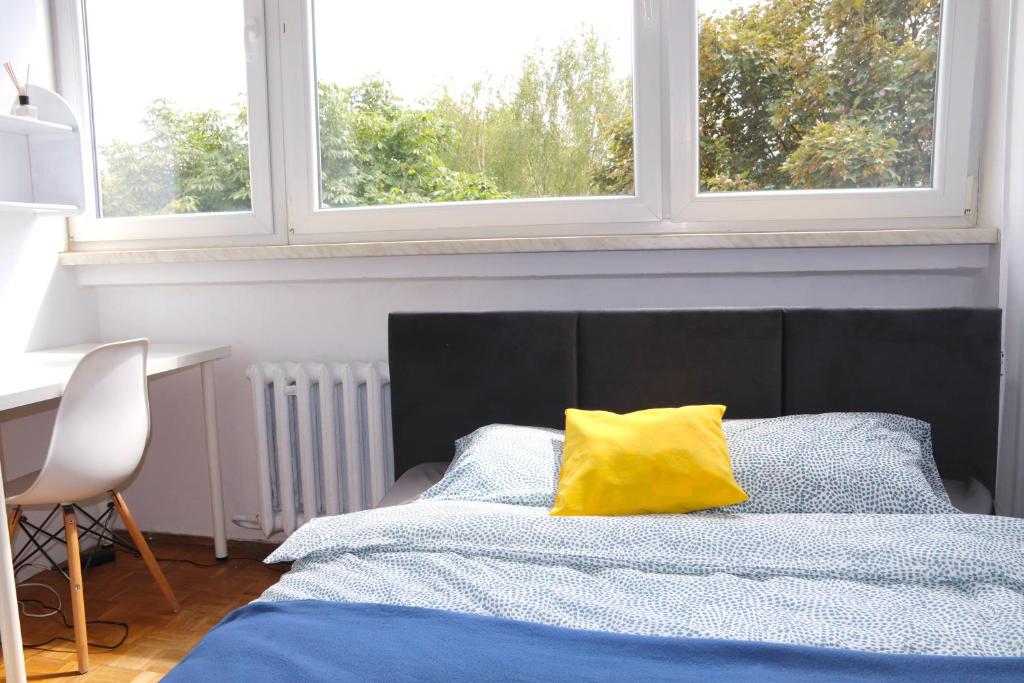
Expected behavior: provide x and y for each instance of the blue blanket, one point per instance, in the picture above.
(313, 640)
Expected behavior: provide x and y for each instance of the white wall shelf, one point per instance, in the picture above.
(41, 168)
(40, 209)
(19, 125)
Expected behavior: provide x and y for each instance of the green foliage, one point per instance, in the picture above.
(191, 162)
(794, 94)
(804, 94)
(550, 136)
(614, 173)
(374, 150)
(547, 137)
(845, 153)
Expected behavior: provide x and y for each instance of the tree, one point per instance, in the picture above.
(818, 94)
(614, 173)
(375, 150)
(793, 94)
(190, 162)
(547, 135)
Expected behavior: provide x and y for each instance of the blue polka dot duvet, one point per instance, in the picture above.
(946, 584)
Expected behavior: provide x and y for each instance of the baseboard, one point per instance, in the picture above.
(240, 547)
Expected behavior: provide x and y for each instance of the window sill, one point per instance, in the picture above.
(636, 242)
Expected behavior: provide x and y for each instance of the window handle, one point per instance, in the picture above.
(253, 31)
(649, 12)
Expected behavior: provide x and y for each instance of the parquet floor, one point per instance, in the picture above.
(124, 591)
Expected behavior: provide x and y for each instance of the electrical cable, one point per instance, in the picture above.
(206, 565)
(58, 610)
(54, 611)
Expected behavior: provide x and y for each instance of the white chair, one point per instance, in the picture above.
(98, 440)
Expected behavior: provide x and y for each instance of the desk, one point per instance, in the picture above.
(40, 376)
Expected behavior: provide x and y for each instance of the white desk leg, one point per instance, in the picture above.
(220, 534)
(10, 627)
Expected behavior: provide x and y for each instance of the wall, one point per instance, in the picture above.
(345, 318)
(41, 304)
(1011, 474)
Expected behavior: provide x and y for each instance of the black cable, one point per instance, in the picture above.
(218, 564)
(107, 622)
(58, 612)
(204, 565)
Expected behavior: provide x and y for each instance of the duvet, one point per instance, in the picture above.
(945, 584)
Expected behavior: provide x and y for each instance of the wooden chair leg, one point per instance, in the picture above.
(12, 523)
(77, 589)
(147, 554)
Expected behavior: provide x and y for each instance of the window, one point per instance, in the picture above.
(178, 137)
(823, 110)
(495, 105)
(458, 114)
(433, 119)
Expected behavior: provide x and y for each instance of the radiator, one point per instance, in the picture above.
(323, 439)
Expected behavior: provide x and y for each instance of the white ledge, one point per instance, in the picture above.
(634, 242)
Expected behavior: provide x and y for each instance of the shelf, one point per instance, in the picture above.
(41, 170)
(42, 209)
(19, 125)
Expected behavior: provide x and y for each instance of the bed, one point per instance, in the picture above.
(474, 587)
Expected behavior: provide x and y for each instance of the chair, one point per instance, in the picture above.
(97, 443)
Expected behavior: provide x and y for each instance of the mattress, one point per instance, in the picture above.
(410, 485)
(971, 497)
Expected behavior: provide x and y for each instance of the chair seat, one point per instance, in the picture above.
(15, 487)
(19, 491)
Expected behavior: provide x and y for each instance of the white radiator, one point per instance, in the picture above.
(323, 439)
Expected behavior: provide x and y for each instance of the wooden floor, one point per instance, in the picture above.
(124, 591)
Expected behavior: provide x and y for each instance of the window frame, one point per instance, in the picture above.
(229, 227)
(308, 222)
(285, 167)
(953, 165)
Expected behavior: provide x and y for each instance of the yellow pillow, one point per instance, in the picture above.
(651, 461)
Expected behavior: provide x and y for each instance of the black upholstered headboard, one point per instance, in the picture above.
(454, 372)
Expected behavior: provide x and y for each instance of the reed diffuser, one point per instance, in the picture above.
(25, 107)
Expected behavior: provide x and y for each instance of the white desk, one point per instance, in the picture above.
(40, 376)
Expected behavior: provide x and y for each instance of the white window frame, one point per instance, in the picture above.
(952, 193)
(231, 227)
(308, 222)
(285, 169)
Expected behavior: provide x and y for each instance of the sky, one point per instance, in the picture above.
(192, 51)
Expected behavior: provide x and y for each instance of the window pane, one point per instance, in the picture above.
(817, 95)
(168, 90)
(461, 100)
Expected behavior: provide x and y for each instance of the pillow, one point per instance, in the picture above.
(836, 462)
(652, 461)
(833, 462)
(503, 464)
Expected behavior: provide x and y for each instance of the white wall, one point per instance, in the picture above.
(1011, 472)
(346, 319)
(41, 303)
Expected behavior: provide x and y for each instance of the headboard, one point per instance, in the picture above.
(454, 372)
